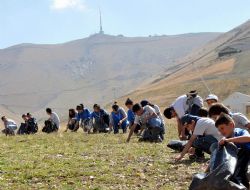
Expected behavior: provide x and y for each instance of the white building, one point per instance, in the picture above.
(238, 102)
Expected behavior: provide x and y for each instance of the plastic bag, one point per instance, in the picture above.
(177, 145)
(222, 166)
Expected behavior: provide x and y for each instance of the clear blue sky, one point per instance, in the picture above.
(57, 21)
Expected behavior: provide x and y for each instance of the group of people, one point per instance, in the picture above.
(203, 129)
(198, 127)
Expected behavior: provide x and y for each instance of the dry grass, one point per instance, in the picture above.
(81, 161)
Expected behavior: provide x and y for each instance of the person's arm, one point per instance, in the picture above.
(187, 147)
(125, 116)
(241, 139)
(181, 130)
(131, 132)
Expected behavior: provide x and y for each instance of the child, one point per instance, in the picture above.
(72, 120)
(100, 119)
(150, 121)
(211, 99)
(204, 134)
(131, 116)
(240, 120)
(83, 118)
(241, 138)
(185, 104)
(10, 126)
(118, 119)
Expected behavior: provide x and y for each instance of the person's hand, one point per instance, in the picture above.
(178, 158)
(223, 141)
(120, 122)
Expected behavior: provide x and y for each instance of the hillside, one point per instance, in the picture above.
(95, 69)
(223, 63)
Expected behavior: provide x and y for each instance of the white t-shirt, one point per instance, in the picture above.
(11, 124)
(147, 111)
(206, 126)
(158, 112)
(55, 119)
(240, 120)
(181, 107)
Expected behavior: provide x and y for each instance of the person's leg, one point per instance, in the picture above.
(202, 144)
(116, 128)
(156, 134)
(124, 126)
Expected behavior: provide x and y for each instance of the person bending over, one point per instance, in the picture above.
(204, 134)
(10, 126)
(151, 124)
(118, 119)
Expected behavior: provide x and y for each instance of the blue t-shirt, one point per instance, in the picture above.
(98, 115)
(131, 117)
(242, 132)
(83, 115)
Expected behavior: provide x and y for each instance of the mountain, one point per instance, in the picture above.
(92, 70)
(221, 67)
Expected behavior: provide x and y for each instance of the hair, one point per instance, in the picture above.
(168, 112)
(78, 107)
(3, 117)
(217, 109)
(203, 112)
(136, 108)
(188, 119)
(81, 105)
(24, 115)
(193, 93)
(72, 113)
(115, 106)
(97, 106)
(49, 110)
(129, 102)
(224, 119)
(28, 114)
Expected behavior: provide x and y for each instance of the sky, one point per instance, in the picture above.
(58, 21)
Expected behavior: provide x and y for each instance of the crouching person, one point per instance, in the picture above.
(72, 120)
(151, 124)
(241, 138)
(204, 134)
(10, 126)
(118, 119)
(53, 123)
(100, 120)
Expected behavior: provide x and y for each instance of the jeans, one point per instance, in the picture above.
(203, 144)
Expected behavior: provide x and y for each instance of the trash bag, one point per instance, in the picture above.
(222, 166)
(177, 145)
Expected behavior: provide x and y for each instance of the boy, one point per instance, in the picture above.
(54, 118)
(211, 99)
(118, 119)
(100, 119)
(240, 120)
(185, 104)
(10, 126)
(204, 134)
(131, 116)
(83, 118)
(150, 120)
(241, 138)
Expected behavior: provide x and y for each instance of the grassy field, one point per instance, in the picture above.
(81, 161)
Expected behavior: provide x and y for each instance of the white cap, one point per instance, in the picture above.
(212, 97)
